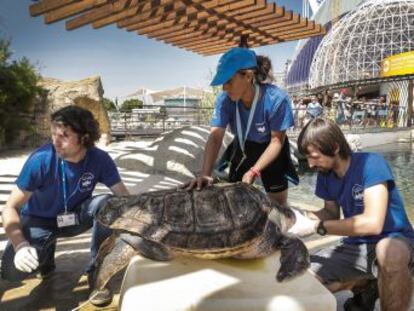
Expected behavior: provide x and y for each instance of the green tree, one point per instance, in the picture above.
(18, 89)
(130, 104)
(108, 104)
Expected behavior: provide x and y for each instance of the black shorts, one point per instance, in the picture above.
(346, 262)
(274, 176)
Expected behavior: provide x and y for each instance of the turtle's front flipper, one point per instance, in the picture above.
(294, 258)
(114, 255)
(146, 248)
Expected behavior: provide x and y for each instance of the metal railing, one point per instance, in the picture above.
(146, 122)
(152, 123)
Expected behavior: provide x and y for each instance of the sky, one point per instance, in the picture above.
(124, 60)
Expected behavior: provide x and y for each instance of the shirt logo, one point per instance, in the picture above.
(358, 193)
(261, 127)
(86, 182)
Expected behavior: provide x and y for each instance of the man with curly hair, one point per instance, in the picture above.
(53, 197)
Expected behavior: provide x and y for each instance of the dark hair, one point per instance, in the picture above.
(263, 71)
(326, 136)
(81, 121)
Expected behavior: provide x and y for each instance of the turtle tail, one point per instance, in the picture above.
(294, 258)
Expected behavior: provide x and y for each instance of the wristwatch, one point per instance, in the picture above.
(321, 230)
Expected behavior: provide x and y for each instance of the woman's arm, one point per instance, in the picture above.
(268, 156)
(211, 151)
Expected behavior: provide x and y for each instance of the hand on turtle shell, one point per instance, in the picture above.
(303, 226)
(248, 178)
(199, 182)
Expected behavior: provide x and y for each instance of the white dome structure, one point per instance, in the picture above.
(354, 48)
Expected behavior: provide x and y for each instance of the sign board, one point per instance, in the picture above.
(397, 65)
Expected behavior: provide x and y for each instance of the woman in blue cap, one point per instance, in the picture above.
(259, 114)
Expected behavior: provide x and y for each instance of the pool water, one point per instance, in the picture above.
(400, 157)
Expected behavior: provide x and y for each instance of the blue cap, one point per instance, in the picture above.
(232, 61)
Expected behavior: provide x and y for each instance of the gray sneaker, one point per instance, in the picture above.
(101, 297)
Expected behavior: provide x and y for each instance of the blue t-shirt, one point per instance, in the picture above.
(365, 170)
(42, 175)
(273, 113)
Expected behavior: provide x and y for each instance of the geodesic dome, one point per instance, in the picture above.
(355, 46)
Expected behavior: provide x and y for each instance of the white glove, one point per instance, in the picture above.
(303, 226)
(26, 259)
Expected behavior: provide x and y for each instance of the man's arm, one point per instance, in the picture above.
(370, 222)
(11, 218)
(330, 211)
(304, 225)
(119, 189)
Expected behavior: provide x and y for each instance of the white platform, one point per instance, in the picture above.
(227, 284)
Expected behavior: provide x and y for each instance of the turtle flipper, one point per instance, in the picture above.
(294, 258)
(146, 248)
(114, 255)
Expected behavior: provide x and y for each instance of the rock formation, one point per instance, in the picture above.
(86, 93)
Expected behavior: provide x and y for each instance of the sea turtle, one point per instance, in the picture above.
(222, 220)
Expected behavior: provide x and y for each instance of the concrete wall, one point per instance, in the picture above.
(382, 138)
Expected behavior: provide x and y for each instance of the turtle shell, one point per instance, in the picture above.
(221, 216)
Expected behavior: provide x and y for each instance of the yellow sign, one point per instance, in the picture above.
(397, 65)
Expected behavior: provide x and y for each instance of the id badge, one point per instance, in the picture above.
(66, 220)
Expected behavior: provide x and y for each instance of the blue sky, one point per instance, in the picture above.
(125, 61)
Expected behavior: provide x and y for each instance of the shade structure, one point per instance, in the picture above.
(204, 27)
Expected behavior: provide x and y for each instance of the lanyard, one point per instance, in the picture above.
(65, 198)
(242, 140)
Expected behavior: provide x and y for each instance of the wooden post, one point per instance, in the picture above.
(410, 103)
(243, 41)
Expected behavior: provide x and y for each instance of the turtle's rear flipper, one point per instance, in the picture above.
(114, 255)
(294, 258)
(146, 248)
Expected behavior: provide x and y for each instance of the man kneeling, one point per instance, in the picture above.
(379, 242)
(53, 198)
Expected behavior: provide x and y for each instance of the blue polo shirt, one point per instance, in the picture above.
(273, 113)
(42, 175)
(366, 170)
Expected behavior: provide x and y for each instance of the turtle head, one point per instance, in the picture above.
(282, 216)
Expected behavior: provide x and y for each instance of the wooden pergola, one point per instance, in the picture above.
(205, 27)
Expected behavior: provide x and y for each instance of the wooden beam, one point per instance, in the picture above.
(106, 11)
(153, 13)
(199, 24)
(73, 9)
(179, 16)
(288, 18)
(45, 6)
(203, 26)
(187, 13)
(197, 30)
(302, 27)
(218, 42)
(145, 10)
(258, 41)
(299, 23)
